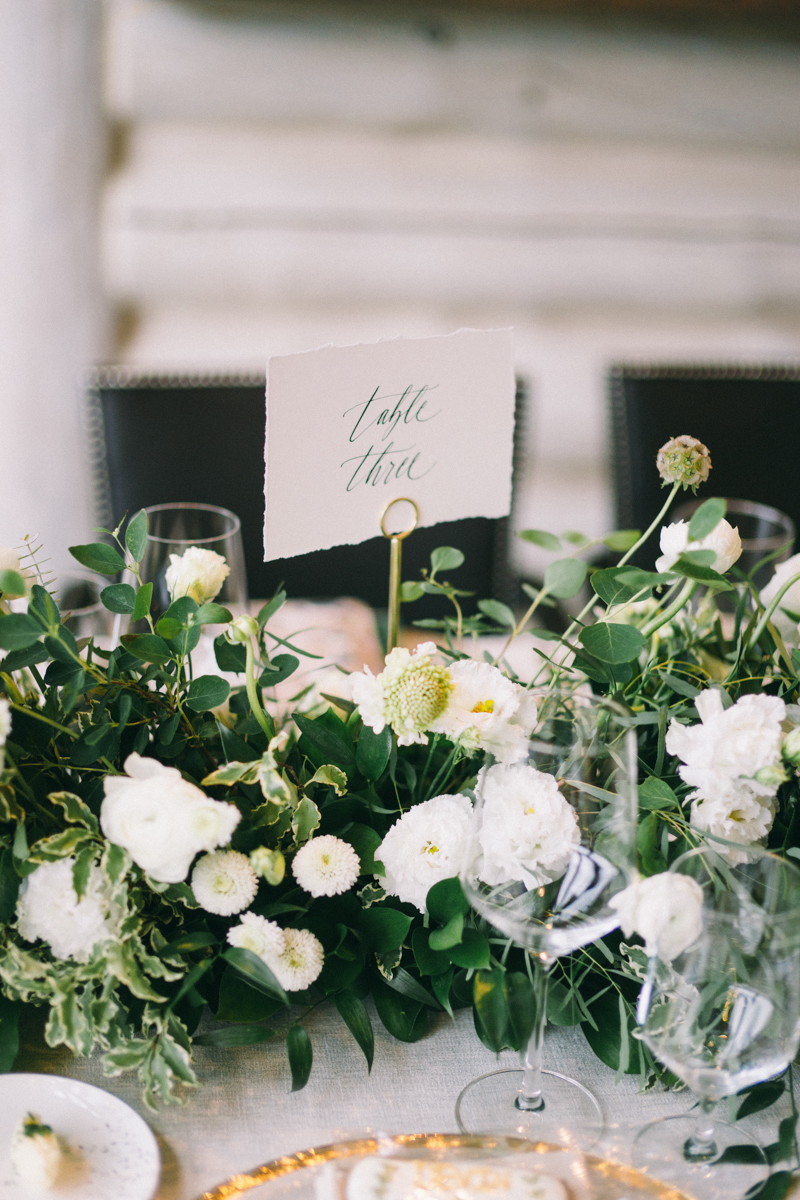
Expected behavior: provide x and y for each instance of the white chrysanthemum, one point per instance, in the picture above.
(724, 540)
(666, 910)
(48, 908)
(162, 820)
(487, 711)
(257, 934)
(300, 962)
(326, 866)
(528, 830)
(728, 760)
(430, 842)
(790, 600)
(224, 882)
(5, 721)
(408, 695)
(197, 573)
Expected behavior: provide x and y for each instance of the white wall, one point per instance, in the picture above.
(51, 152)
(294, 179)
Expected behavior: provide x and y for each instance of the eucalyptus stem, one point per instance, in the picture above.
(252, 689)
(668, 613)
(762, 624)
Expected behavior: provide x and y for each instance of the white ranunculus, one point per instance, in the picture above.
(725, 760)
(224, 883)
(786, 626)
(724, 540)
(162, 820)
(486, 711)
(48, 908)
(197, 573)
(529, 832)
(430, 842)
(666, 910)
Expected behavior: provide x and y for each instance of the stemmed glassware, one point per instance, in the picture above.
(722, 1015)
(579, 778)
(173, 528)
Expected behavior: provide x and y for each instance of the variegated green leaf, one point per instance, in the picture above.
(75, 809)
(305, 820)
(122, 963)
(59, 845)
(231, 773)
(332, 776)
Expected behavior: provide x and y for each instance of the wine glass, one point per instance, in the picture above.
(579, 776)
(723, 1015)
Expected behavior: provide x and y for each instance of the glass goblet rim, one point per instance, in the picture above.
(235, 522)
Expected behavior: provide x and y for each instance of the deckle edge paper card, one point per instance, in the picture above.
(350, 428)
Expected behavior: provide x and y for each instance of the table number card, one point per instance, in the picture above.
(351, 428)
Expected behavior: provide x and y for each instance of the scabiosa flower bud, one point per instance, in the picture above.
(240, 629)
(684, 460)
(408, 695)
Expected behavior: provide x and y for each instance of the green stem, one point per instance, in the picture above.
(628, 554)
(252, 689)
(444, 771)
(762, 624)
(668, 613)
(31, 712)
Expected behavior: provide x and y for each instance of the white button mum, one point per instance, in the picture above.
(666, 910)
(326, 866)
(790, 600)
(224, 882)
(162, 820)
(487, 711)
(529, 832)
(408, 695)
(430, 842)
(197, 573)
(724, 540)
(48, 908)
(300, 961)
(260, 936)
(727, 760)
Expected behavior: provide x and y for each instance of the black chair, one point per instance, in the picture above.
(747, 416)
(161, 439)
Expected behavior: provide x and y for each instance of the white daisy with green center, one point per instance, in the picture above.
(224, 882)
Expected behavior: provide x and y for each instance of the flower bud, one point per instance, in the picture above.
(269, 864)
(241, 629)
(772, 776)
(791, 746)
(684, 460)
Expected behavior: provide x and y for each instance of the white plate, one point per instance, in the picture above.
(112, 1151)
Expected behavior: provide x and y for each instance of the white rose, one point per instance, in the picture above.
(48, 908)
(161, 820)
(790, 599)
(429, 843)
(529, 832)
(196, 573)
(666, 910)
(724, 540)
(486, 711)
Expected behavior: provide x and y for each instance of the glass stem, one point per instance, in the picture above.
(529, 1097)
(701, 1146)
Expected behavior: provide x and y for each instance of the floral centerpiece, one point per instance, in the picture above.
(169, 848)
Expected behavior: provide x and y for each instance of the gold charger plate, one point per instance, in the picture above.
(603, 1179)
